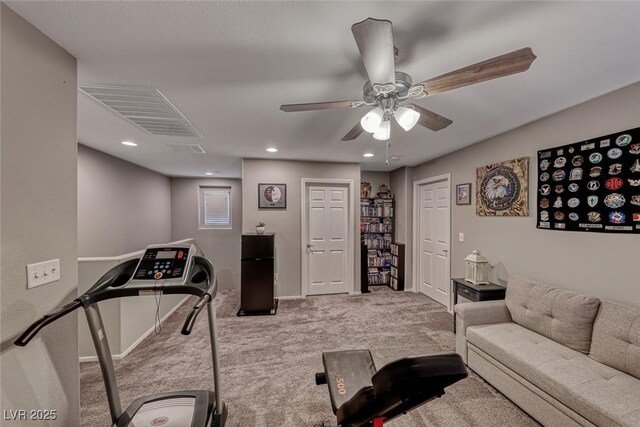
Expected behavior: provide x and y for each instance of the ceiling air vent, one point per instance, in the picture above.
(146, 107)
(186, 148)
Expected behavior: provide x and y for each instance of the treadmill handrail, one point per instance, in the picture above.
(36, 326)
(105, 281)
(193, 314)
(213, 278)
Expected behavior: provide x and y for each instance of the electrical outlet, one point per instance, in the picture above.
(42, 273)
(461, 237)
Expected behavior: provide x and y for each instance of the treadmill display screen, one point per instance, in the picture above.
(166, 254)
(162, 264)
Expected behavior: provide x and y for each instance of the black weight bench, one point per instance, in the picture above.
(362, 396)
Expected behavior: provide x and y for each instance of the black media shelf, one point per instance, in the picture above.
(376, 230)
(397, 266)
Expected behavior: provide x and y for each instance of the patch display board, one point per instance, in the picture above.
(591, 185)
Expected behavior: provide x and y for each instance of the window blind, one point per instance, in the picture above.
(217, 207)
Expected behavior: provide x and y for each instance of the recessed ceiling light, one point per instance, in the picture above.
(209, 173)
(395, 158)
(367, 155)
(129, 143)
(272, 150)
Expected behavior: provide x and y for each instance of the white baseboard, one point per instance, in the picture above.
(139, 340)
(291, 297)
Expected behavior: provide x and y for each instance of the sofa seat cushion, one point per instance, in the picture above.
(563, 316)
(616, 337)
(596, 391)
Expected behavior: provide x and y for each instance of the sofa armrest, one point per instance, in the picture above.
(477, 313)
(481, 313)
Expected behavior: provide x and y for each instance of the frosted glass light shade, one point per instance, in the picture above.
(383, 132)
(406, 117)
(371, 121)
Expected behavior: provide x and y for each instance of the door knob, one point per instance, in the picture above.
(445, 251)
(309, 245)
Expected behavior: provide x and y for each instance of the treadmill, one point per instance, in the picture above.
(163, 269)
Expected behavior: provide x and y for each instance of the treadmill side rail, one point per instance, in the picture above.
(101, 343)
(213, 337)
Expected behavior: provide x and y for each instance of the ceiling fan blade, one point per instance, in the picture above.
(429, 119)
(289, 108)
(353, 133)
(374, 38)
(500, 66)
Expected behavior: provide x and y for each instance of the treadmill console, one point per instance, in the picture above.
(167, 263)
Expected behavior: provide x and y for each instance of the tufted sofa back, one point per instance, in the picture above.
(563, 316)
(616, 338)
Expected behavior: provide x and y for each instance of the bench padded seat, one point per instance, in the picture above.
(347, 373)
(359, 394)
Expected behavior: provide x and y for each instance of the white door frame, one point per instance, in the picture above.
(416, 238)
(351, 227)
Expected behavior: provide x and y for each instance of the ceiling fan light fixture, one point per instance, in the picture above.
(406, 117)
(372, 120)
(383, 132)
(417, 91)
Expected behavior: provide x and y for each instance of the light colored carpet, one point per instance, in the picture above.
(268, 362)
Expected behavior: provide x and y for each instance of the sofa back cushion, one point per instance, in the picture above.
(563, 316)
(616, 338)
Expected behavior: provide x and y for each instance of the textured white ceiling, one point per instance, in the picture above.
(227, 66)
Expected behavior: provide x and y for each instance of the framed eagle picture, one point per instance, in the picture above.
(502, 189)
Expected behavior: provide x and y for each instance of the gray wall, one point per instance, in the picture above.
(122, 207)
(604, 265)
(221, 246)
(287, 223)
(376, 179)
(38, 218)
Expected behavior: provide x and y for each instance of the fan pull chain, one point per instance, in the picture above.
(388, 147)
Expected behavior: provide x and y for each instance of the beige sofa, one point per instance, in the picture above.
(566, 359)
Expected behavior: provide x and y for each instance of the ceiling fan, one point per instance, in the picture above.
(387, 88)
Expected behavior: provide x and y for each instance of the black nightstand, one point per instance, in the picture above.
(475, 293)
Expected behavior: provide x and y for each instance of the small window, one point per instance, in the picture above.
(215, 207)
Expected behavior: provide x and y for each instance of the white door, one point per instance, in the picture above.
(433, 245)
(327, 243)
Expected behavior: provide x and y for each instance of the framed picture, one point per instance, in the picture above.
(272, 196)
(502, 189)
(463, 194)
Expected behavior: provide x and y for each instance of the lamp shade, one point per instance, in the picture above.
(406, 117)
(383, 132)
(371, 121)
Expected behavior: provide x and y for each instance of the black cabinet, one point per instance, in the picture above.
(257, 270)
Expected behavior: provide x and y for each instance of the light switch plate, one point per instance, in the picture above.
(42, 273)
(461, 237)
